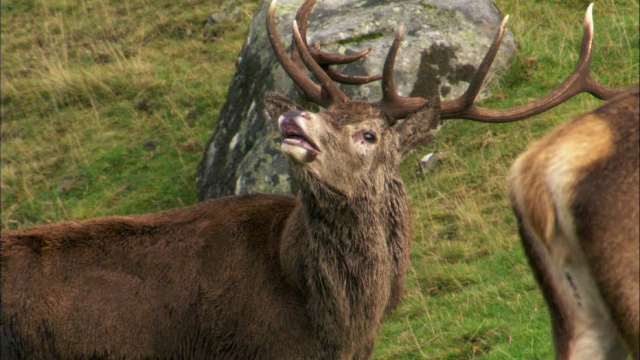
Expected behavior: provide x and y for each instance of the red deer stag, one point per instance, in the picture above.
(575, 194)
(254, 276)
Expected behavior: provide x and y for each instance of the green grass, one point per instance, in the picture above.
(107, 106)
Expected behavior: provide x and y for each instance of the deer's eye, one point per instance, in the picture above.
(369, 137)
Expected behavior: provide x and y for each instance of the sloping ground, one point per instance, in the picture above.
(106, 107)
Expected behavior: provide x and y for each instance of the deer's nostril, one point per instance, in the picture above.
(290, 115)
(294, 113)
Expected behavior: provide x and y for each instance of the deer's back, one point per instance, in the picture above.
(143, 284)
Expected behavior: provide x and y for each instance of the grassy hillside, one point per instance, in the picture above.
(107, 105)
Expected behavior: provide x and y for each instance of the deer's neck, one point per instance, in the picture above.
(344, 253)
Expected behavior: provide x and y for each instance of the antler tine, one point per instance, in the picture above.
(592, 87)
(392, 104)
(579, 81)
(325, 59)
(337, 76)
(309, 89)
(329, 88)
(458, 106)
(388, 84)
(302, 17)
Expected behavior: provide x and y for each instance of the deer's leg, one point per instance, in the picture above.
(581, 324)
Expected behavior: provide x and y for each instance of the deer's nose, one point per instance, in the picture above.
(292, 114)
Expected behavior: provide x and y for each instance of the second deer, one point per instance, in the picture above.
(575, 194)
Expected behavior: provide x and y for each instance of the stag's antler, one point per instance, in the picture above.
(579, 81)
(316, 60)
(324, 59)
(398, 107)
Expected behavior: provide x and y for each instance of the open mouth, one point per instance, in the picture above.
(293, 135)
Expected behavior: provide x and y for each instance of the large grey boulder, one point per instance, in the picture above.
(445, 41)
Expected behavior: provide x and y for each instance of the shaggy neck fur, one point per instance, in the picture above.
(348, 250)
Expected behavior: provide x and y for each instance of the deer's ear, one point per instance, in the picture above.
(415, 130)
(277, 104)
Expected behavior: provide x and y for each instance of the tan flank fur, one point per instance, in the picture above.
(575, 193)
(254, 276)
